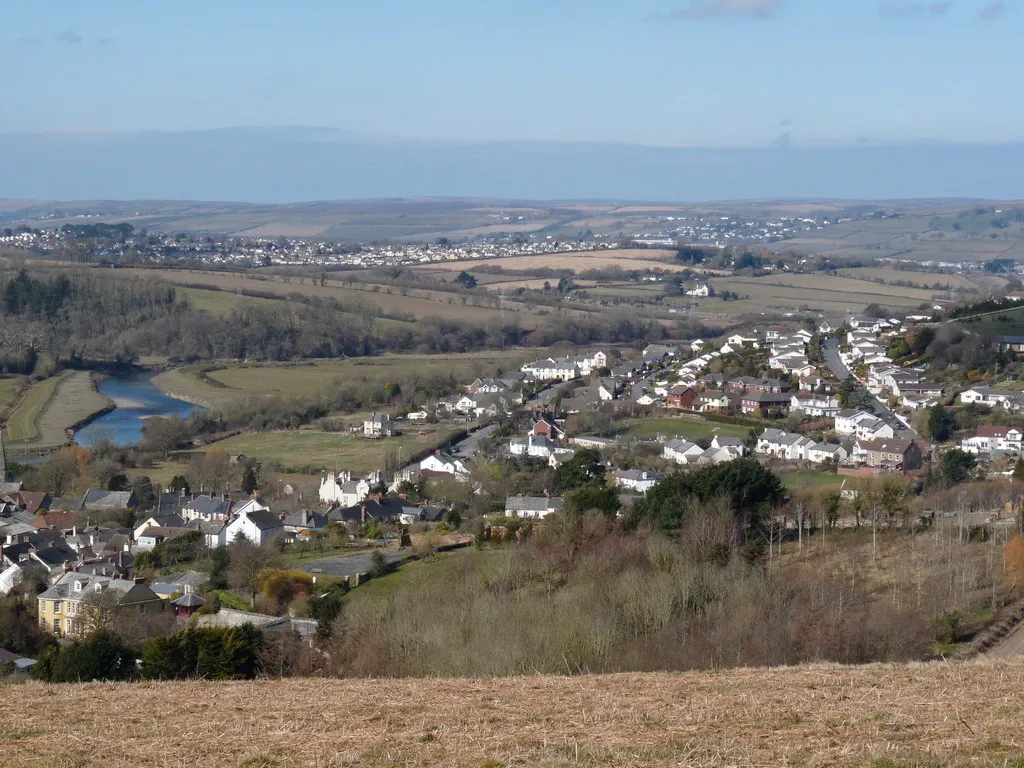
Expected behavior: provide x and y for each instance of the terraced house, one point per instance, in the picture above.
(75, 604)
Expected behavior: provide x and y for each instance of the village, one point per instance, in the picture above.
(630, 416)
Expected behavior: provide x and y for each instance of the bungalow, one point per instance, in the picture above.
(738, 340)
(600, 443)
(711, 401)
(486, 386)
(681, 451)
(993, 439)
(890, 453)
(915, 402)
(988, 396)
(533, 507)
(638, 480)
(916, 388)
(445, 463)
(258, 526)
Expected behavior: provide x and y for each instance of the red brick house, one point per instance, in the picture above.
(680, 397)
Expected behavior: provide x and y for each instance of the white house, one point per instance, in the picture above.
(552, 370)
(681, 451)
(819, 453)
(988, 396)
(259, 527)
(638, 480)
(343, 489)
(993, 439)
(536, 446)
(862, 425)
(783, 445)
(815, 405)
(701, 289)
(379, 425)
(533, 507)
(444, 462)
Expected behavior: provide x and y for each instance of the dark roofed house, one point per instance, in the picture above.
(187, 604)
(304, 522)
(101, 500)
(1010, 343)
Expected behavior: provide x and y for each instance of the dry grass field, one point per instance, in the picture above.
(920, 279)
(627, 258)
(880, 716)
(49, 408)
(832, 294)
(9, 389)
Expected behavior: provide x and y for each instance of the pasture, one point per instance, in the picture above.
(396, 303)
(812, 292)
(218, 386)
(924, 280)
(689, 428)
(305, 451)
(813, 479)
(577, 261)
(52, 406)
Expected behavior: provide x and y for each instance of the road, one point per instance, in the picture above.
(1009, 647)
(470, 445)
(830, 354)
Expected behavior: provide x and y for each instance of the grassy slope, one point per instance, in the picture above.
(23, 423)
(310, 378)
(810, 478)
(688, 428)
(9, 389)
(879, 715)
(326, 449)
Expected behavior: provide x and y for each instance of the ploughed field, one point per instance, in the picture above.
(934, 714)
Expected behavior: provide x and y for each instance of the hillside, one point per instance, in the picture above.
(880, 715)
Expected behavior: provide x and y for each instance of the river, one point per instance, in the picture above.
(137, 399)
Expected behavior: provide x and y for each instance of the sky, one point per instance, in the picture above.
(679, 73)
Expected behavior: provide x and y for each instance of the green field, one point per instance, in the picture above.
(328, 450)
(23, 424)
(811, 478)
(312, 377)
(691, 429)
(222, 302)
(1007, 323)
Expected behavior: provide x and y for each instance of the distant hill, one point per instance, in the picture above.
(300, 164)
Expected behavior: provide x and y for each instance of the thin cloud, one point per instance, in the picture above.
(909, 9)
(68, 36)
(714, 9)
(783, 141)
(105, 41)
(29, 41)
(993, 11)
(785, 122)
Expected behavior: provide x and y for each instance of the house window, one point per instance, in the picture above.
(56, 606)
(56, 626)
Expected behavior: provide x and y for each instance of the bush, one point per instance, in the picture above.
(102, 656)
(210, 653)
